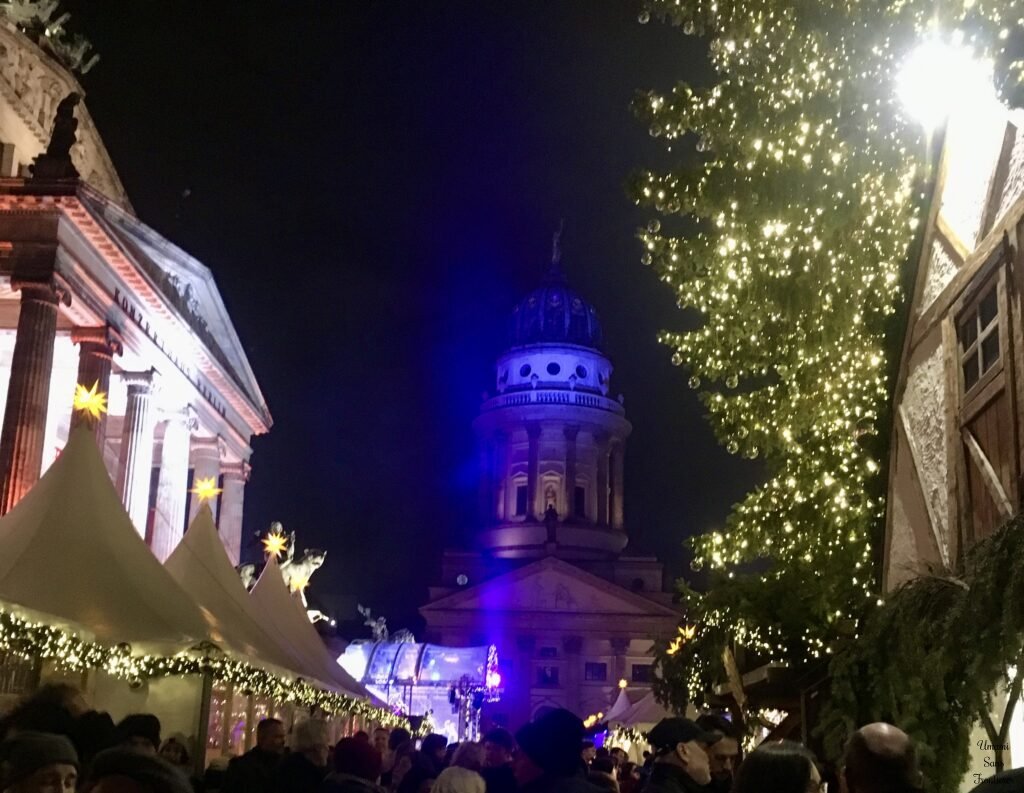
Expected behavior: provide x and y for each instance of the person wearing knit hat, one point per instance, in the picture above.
(140, 731)
(124, 770)
(38, 762)
(357, 765)
(549, 755)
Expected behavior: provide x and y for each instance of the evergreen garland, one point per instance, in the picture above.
(930, 657)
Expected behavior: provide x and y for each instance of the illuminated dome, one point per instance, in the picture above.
(554, 314)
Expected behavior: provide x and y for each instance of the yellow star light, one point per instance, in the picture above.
(275, 545)
(91, 401)
(206, 489)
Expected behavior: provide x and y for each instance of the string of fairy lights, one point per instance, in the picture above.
(804, 196)
(29, 639)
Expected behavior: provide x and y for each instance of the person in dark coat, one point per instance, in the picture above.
(255, 771)
(549, 756)
(681, 762)
(305, 767)
(499, 745)
(357, 767)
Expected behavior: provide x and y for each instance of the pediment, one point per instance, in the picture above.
(187, 286)
(554, 586)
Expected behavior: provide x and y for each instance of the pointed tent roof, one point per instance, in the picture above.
(621, 705)
(201, 566)
(284, 616)
(645, 713)
(71, 552)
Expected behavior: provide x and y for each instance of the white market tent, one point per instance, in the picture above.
(201, 565)
(73, 560)
(72, 553)
(286, 619)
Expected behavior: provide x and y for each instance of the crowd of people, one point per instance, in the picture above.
(53, 743)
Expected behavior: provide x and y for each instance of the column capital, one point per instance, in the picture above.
(52, 288)
(619, 645)
(100, 335)
(212, 446)
(142, 381)
(237, 470)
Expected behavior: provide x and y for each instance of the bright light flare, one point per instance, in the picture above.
(90, 401)
(206, 489)
(275, 545)
(942, 77)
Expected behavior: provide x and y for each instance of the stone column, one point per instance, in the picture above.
(526, 682)
(499, 492)
(619, 649)
(532, 470)
(571, 431)
(232, 502)
(617, 489)
(205, 465)
(135, 466)
(96, 350)
(572, 646)
(602, 479)
(172, 486)
(28, 391)
(486, 479)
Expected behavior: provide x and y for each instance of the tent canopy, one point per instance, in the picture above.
(287, 621)
(70, 551)
(201, 566)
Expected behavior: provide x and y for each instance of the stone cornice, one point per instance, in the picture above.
(151, 298)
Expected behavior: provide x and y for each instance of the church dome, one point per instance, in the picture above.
(554, 313)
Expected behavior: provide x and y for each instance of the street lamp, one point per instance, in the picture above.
(940, 77)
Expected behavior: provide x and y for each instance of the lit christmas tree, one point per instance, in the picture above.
(803, 201)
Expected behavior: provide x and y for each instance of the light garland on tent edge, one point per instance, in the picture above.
(28, 639)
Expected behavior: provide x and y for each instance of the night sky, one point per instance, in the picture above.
(374, 185)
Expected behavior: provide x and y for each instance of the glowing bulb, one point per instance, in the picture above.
(940, 77)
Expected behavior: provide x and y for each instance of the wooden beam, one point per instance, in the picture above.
(988, 475)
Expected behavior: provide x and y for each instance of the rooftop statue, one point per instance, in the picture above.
(56, 162)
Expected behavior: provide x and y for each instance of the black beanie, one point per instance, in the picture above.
(553, 742)
(26, 752)
(139, 725)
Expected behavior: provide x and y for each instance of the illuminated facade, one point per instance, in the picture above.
(91, 295)
(547, 583)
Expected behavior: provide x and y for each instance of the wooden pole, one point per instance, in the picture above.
(203, 728)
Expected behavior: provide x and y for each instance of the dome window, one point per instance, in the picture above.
(554, 368)
(581, 372)
(524, 370)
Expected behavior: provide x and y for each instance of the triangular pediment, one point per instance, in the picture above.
(187, 286)
(550, 585)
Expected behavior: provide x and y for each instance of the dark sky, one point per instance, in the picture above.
(374, 185)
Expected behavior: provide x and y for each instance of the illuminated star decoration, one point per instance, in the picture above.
(90, 401)
(275, 544)
(685, 635)
(206, 489)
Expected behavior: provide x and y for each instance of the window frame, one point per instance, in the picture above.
(990, 381)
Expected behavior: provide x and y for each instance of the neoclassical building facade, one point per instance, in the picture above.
(572, 617)
(89, 294)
